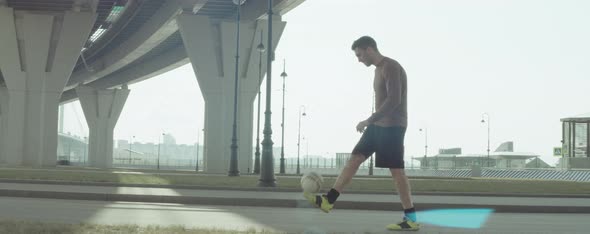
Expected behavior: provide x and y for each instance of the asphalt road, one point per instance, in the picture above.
(291, 220)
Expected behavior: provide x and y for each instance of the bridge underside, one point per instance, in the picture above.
(92, 49)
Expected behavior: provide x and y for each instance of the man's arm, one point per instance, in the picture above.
(393, 87)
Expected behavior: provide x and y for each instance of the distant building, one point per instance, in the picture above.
(506, 147)
(169, 139)
(502, 157)
(537, 163)
(453, 151)
(166, 153)
(575, 141)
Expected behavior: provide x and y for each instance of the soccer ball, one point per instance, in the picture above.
(311, 182)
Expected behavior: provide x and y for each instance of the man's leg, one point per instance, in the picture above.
(403, 187)
(326, 202)
(349, 170)
(405, 194)
(365, 146)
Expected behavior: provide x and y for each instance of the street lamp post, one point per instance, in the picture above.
(299, 137)
(425, 130)
(309, 162)
(70, 150)
(198, 143)
(233, 162)
(282, 167)
(130, 143)
(267, 165)
(260, 49)
(159, 143)
(483, 120)
(85, 149)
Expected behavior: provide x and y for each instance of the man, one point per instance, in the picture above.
(383, 133)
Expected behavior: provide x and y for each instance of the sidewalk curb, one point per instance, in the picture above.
(275, 189)
(284, 203)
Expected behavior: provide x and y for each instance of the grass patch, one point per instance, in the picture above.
(26, 227)
(367, 184)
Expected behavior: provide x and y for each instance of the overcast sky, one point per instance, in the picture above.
(522, 61)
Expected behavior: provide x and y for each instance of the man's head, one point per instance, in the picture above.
(365, 49)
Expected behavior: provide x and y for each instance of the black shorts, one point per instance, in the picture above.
(386, 142)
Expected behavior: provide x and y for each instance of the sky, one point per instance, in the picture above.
(523, 62)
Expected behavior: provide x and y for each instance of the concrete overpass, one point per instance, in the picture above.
(59, 51)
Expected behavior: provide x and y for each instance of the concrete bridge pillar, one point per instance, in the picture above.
(38, 51)
(102, 108)
(210, 46)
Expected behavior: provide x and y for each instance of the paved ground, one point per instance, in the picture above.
(290, 199)
(273, 210)
(292, 220)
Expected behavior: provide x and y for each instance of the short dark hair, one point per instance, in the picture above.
(364, 42)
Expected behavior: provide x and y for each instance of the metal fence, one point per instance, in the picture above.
(330, 166)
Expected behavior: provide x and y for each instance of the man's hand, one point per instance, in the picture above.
(361, 126)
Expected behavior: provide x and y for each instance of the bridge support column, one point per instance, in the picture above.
(38, 51)
(102, 108)
(211, 46)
